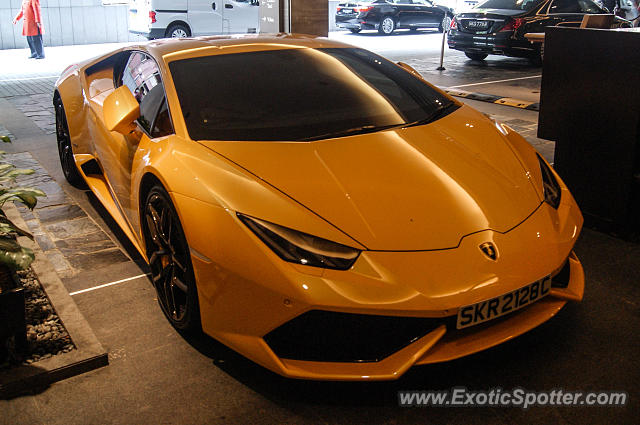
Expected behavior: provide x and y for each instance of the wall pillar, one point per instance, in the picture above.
(295, 16)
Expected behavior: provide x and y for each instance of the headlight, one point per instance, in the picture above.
(551, 186)
(302, 248)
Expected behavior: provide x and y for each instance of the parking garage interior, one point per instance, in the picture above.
(578, 107)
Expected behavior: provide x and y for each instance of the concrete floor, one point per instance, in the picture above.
(156, 375)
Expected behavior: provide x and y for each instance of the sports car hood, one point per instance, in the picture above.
(418, 188)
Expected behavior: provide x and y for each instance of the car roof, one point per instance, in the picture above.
(178, 48)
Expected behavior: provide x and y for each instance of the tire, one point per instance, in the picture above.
(170, 261)
(65, 150)
(355, 30)
(177, 30)
(387, 26)
(476, 56)
(445, 24)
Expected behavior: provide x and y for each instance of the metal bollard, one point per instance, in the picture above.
(444, 35)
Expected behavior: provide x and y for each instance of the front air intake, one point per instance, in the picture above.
(326, 336)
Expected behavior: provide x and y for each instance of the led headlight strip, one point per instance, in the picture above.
(301, 248)
(552, 192)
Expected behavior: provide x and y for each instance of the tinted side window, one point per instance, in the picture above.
(565, 6)
(142, 77)
(162, 125)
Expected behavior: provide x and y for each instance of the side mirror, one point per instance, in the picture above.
(120, 110)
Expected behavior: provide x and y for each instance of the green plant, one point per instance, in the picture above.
(12, 254)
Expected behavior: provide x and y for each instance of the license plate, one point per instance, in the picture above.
(504, 304)
(347, 10)
(480, 25)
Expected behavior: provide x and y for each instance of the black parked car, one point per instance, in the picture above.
(498, 27)
(389, 15)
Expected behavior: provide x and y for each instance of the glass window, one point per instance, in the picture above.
(575, 6)
(509, 4)
(162, 125)
(564, 6)
(298, 94)
(142, 76)
(588, 6)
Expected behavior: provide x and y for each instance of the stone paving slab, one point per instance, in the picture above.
(26, 87)
(89, 353)
(69, 238)
(39, 108)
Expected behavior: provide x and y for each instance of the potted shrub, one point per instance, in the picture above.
(13, 257)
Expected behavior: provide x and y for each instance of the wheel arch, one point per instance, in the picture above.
(69, 92)
(148, 180)
(57, 98)
(178, 22)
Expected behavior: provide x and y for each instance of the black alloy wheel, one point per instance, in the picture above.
(65, 151)
(170, 261)
(476, 56)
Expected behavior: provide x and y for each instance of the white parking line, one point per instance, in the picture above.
(497, 81)
(108, 284)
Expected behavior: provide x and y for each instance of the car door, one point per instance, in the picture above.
(205, 17)
(240, 16)
(426, 14)
(142, 76)
(405, 13)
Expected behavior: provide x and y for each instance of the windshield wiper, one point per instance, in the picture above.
(435, 115)
(350, 131)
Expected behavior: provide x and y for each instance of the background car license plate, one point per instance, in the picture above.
(504, 304)
(481, 25)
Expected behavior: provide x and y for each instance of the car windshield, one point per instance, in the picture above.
(298, 94)
(509, 4)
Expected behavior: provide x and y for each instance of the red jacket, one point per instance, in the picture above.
(32, 17)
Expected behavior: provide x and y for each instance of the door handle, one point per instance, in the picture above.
(213, 5)
(228, 6)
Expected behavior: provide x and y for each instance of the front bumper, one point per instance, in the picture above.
(246, 292)
(500, 43)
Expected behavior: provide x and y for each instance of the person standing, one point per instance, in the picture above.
(32, 27)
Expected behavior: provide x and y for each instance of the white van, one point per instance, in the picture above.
(186, 18)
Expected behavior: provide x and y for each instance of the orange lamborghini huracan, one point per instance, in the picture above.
(324, 212)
